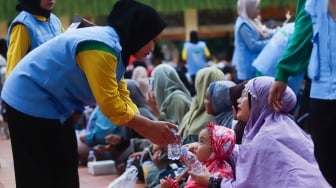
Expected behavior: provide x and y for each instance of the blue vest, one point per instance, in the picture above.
(50, 77)
(39, 31)
(322, 65)
(242, 56)
(196, 59)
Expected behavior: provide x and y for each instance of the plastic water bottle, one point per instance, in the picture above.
(191, 161)
(91, 157)
(174, 150)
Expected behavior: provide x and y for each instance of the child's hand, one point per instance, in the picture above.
(182, 175)
(203, 178)
(192, 146)
(166, 182)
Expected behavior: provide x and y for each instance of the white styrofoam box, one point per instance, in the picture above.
(102, 167)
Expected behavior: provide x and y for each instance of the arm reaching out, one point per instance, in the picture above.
(276, 93)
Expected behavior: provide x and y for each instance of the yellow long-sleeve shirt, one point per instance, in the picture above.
(19, 44)
(99, 64)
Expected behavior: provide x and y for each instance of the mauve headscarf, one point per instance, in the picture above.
(275, 151)
(219, 93)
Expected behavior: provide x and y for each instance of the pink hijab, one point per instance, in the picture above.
(222, 141)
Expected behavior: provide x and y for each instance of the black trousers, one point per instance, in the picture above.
(322, 127)
(44, 151)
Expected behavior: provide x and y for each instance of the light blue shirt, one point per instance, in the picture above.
(322, 65)
(50, 77)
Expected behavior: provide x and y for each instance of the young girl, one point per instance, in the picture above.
(213, 151)
(275, 151)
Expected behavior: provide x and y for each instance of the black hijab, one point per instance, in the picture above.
(136, 25)
(193, 37)
(33, 7)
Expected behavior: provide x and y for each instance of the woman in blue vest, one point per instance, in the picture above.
(80, 67)
(250, 38)
(195, 53)
(34, 25)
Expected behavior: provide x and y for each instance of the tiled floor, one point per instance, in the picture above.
(7, 179)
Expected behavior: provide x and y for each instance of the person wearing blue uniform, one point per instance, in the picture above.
(195, 53)
(34, 25)
(312, 47)
(81, 67)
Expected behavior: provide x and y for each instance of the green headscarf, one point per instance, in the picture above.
(197, 117)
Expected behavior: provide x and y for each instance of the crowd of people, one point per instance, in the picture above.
(114, 94)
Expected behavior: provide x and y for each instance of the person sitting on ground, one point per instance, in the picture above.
(196, 118)
(116, 142)
(213, 150)
(275, 151)
(218, 102)
(170, 101)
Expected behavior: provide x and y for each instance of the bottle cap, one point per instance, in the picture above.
(129, 162)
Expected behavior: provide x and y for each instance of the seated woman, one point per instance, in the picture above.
(170, 101)
(218, 103)
(98, 127)
(197, 117)
(275, 151)
(169, 98)
(108, 139)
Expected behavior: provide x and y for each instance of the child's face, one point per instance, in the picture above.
(203, 150)
(207, 103)
(243, 111)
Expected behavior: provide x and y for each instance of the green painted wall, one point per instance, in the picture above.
(103, 7)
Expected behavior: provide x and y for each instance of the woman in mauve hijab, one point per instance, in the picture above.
(275, 151)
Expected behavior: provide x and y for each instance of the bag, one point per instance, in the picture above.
(127, 180)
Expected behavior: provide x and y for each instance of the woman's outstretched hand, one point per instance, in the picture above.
(158, 132)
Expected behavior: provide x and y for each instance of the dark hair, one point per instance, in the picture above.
(33, 7)
(249, 99)
(193, 37)
(235, 93)
(3, 48)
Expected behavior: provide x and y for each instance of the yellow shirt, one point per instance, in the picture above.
(19, 45)
(184, 53)
(99, 64)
